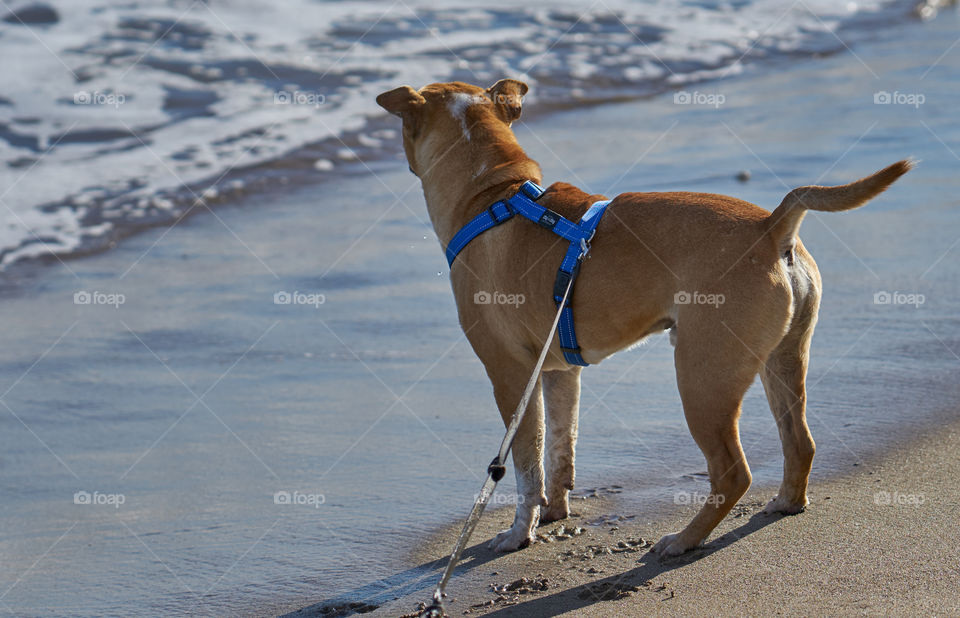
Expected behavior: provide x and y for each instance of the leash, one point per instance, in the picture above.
(496, 470)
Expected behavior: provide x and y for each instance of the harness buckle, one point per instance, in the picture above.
(531, 190)
(497, 220)
(562, 281)
(560, 284)
(585, 244)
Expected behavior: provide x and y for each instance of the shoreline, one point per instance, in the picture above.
(881, 538)
(354, 151)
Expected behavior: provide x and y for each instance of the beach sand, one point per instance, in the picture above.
(881, 540)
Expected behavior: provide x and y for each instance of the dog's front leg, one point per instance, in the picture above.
(561, 390)
(509, 380)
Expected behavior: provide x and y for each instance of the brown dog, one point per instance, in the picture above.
(656, 256)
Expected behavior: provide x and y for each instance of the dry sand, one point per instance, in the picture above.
(881, 540)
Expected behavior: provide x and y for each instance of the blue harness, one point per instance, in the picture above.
(524, 203)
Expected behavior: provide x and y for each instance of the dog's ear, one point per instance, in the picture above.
(507, 97)
(400, 101)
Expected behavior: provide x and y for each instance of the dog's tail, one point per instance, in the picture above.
(784, 223)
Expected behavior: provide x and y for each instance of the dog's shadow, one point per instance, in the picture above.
(612, 587)
(423, 578)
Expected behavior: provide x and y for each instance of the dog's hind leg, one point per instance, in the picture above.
(714, 371)
(561, 390)
(509, 380)
(784, 379)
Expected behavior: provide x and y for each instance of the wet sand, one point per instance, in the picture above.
(879, 541)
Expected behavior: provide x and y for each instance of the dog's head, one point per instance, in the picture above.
(438, 117)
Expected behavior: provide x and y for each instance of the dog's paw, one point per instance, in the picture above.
(559, 509)
(511, 539)
(671, 545)
(782, 505)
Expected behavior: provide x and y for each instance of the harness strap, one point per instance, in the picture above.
(491, 217)
(524, 203)
(569, 269)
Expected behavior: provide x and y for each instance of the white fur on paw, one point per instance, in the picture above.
(669, 545)
(511, 540)
(780, 505)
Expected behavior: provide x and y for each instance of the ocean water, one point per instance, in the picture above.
(150, 110)
(241, 456)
